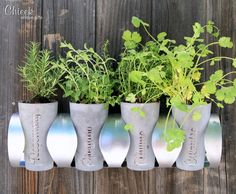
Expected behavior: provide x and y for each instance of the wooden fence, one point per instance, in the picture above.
(93, 21)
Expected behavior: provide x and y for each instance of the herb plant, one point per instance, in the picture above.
(39, 73)
(187, 62)
(143, 71)
(89, 76)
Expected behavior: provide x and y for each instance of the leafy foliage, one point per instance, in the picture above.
(89, 76)
(174, 138)
(187, 62)
(143, 71)
(40, 73)
(176, 71)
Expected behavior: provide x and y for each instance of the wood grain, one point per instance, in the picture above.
(94, 21)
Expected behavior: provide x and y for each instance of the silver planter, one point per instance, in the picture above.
(88, 120)
(140, 155)
(36, 120)
(192, 155)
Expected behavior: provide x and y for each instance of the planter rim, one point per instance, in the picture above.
(28, 103)
(189, 105)
(86, 104)
(140, 103)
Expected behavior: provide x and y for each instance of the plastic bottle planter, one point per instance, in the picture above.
(88, 120)
(36, 120)
(140, 155)
(192, 155)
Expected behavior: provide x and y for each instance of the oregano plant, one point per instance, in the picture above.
(89, 77)
(39, 73)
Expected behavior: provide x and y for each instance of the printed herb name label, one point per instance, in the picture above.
(190, 157)
(34, 155)
(87, 160)
(140, 156)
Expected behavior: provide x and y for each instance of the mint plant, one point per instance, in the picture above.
(39, 73)
(89, 76)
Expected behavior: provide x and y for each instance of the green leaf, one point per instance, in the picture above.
(234, 62)
(198, 98)
(229, 99)
(217, 76)
(216, 34)
(130, 44)
(128, 127)
(196, 116)
(144, 91)
(185, 59)
(136, 37)
(209, 26)
(154, 75)
(161, 36)
(174, 137)
(127, 35)
(209, 88)
(220, 95)
(225, 42)
(136, 21)
(197, 29)
(130, 98)
(176, 102)
(139, 111)
(209, 22)
(136, 77)
(234, 83)
(212, 63)
(196, 76)
(220, 105)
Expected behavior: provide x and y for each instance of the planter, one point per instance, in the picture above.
(140, 155)
(36, 120)
(192, 155)
(88, 120)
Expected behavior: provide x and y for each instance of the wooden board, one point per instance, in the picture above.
(93, 21)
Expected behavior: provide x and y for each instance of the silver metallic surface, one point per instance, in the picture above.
(164, 158)
(16, 142)
(62, 142)
(114, 141)
(213, 141)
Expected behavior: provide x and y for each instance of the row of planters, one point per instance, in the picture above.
(145, 72)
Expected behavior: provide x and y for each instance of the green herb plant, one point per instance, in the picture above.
(39, 73)
(187, 62)
(89, 77)
(143, 71)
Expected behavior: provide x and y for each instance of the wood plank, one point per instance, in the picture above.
(113, 17)
(228, 114)
(91, 21)
(177, 19)
(73, 21)
(15, 31)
